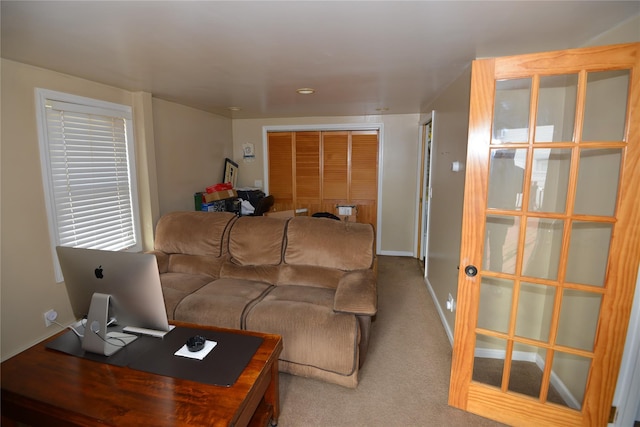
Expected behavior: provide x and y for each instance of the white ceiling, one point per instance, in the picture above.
(360, 56)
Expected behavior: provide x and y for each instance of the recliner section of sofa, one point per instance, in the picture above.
(190, 248)
(310, 280)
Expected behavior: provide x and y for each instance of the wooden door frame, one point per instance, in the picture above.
(627, 395)
(379, 127)
(422, 192)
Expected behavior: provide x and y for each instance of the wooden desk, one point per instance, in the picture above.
(46, 387)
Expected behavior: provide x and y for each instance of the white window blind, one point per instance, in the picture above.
(88, 162)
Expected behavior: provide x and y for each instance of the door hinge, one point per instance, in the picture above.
(613, 414)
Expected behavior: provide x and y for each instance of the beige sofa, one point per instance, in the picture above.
(310, 280)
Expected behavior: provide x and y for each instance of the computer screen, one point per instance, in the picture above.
(107, 285)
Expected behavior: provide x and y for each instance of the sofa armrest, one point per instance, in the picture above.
(357, 293)
(162, 259)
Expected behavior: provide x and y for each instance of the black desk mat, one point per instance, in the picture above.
(221, 367)
(70, 343)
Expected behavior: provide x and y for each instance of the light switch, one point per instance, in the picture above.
(457, 166)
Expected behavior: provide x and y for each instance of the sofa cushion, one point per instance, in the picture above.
(192, 233)
(257, 240)
(195, 264)
(329, 243)
(261, 273)
(176, 286)
(309, 275)
(221, 303)
(312, 333)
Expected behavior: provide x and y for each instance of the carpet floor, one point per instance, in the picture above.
(405, 379)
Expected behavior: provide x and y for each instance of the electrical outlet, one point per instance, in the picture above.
(344, 210)
(451, 303)
(49, 317)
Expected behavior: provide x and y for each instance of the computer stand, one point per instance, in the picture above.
(96, 338)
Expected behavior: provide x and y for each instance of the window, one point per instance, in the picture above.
(88, 171)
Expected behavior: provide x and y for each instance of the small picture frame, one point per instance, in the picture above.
(230, 172)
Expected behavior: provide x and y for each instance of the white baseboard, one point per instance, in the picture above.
(443, 319)
(396, 253)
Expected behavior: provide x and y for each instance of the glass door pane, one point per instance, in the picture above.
(556, 108)
(501, 240)
(535, 311)
(588, 252)
(495, 304)
(578, 319)
(598, 176)
(506, 179)
(488, 362)
(543, 248)
(549, 180)
(511, 111)
(606, 106)
(570, 376)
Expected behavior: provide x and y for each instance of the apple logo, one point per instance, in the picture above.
(98, 272)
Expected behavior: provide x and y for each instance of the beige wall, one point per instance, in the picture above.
(449, 138)
(191, 146)
(398, 168)
(188, 154)
(627, 32)
(28, 286)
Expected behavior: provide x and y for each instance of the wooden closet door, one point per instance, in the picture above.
(307, 171)
(281, 169)
(335, 169)
(319, 170)
(363, 183)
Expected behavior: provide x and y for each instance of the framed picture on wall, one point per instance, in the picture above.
(230, 172)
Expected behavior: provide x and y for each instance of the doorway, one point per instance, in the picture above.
(424, 191)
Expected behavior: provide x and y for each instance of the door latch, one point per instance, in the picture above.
(470, 270)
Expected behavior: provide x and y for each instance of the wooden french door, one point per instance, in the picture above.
(551, 235)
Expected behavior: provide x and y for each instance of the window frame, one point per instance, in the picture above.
(92, 105)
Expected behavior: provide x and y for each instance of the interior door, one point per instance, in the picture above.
(551, 235)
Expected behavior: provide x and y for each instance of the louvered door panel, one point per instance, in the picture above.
(281, 171)
(335, 172)
(307, 170)
(364, 165)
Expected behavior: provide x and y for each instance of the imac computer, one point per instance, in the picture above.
(107, 287)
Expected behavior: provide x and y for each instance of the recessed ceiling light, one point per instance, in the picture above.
(235, 108)
(305, 91)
